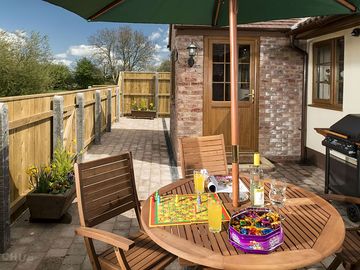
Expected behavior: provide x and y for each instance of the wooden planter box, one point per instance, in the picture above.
(46, 206)
(143, 114)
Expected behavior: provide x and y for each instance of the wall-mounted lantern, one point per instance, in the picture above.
(192, 52)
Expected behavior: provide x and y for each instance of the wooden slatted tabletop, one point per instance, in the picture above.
(313, 230)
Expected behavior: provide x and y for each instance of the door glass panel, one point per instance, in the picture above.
(244, 91)
(244, 53)
(227, 55)
(227, 92)
(218, 53)
(244, 75)
(218, 72)
(227, 73)
(221, 72)
(218, 91)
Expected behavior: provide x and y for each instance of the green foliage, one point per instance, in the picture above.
(56, 177)
(62, 78)
(24, 66)
(165, 66)
(87, 74)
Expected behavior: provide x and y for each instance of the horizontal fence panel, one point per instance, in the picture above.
(30, 131)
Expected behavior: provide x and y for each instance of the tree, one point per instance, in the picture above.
(165, 66)
(121, 49)
(24, 63)
(62, 78)
(87, 74)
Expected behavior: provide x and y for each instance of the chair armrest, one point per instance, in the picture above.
(340, 198)
(107, 237)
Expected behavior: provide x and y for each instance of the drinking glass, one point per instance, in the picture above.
(277, 193)
(199, 182)
(214, 215)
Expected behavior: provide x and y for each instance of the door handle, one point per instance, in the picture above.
(251, 95)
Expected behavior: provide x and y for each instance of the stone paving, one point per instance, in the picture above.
(36, 246)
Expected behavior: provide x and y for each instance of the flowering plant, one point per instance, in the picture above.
(56, 177)
(142, 106)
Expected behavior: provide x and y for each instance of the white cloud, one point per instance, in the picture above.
(65, 62)
(157, 60)
(82, 50)
(166, 40)
(160, 30)
(158, 47)
(61, 55)
(154, 36)
(15, 37)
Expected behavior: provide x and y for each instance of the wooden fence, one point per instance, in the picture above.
(149, 87)
(31, 124)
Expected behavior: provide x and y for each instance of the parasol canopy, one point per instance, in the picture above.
(211, 13)
(202, 12)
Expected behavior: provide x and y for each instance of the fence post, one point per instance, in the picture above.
(98, 117)
(108, 110)
(4, 180)
(117, 102)
(58, 120)
(156, 100)
(80, 125)
(122, 93)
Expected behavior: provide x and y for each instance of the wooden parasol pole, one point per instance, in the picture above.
(234, 100)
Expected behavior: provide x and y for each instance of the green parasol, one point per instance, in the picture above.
(210, 13)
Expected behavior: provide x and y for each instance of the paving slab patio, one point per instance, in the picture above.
(36, 246)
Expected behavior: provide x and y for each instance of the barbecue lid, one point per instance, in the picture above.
(348, 125)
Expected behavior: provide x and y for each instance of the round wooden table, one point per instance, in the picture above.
(313, 230)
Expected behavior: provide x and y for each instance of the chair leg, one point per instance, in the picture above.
(335, 263)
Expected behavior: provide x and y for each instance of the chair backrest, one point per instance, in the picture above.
(206, 152)
(105, 188)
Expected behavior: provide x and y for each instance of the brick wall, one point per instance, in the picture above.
(280, 95)
(281, 71)
(187, 103)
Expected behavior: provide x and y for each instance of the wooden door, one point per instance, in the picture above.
(217, 91)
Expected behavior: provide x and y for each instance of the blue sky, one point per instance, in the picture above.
(67, 32)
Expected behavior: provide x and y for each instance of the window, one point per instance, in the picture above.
(221, 72)
(328, 73)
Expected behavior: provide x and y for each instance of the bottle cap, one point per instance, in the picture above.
(256, 159)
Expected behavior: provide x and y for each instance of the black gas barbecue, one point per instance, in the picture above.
(343, 176)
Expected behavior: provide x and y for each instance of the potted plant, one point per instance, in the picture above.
(53, 188)
(142, 110)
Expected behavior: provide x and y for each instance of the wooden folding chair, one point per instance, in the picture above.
(106, 188)
(207, 152)
(349, 256)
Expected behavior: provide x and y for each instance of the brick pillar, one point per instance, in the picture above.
(4, 180)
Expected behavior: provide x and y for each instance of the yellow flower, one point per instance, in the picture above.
(47, 169)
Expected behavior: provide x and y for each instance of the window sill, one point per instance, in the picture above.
(326, 107)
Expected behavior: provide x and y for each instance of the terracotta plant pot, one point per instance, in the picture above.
(143, 114)
(45, 206)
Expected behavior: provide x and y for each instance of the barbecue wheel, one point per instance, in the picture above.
(353, 212)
